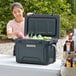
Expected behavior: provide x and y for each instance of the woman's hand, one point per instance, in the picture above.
(21, 35)
(27, 37)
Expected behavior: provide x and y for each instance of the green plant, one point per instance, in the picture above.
(63, 33)
(2, 36)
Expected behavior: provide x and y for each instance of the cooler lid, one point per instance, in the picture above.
(48, 25)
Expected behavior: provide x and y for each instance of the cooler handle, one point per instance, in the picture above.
(54, 46)
(53, 41)
(53, 52)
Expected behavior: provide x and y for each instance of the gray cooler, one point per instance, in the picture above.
(38, 51)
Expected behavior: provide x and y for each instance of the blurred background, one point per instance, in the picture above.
(65, 8)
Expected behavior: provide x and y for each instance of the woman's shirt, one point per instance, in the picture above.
(14, 26)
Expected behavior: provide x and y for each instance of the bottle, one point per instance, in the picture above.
(34, 37)
(31, 35)
(69, 60)
(66, 49)
(74, 60)
(71, 42)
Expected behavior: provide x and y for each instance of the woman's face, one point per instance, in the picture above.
(17, 12)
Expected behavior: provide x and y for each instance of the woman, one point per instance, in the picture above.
(15, 27)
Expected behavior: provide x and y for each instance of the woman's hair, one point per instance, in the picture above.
(16, 4)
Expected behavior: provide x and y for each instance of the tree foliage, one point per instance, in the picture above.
(60, 7)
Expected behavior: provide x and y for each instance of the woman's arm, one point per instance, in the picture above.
(10, 34)
(16, 35)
